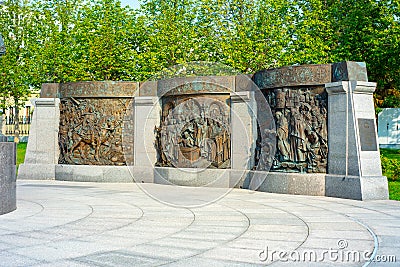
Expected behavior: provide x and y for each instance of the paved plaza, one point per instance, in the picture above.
(95, 224)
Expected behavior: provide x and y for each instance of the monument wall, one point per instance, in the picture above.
(299, 103)
(316, 137)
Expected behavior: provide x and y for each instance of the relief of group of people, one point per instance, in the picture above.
(301, 118)
(194, 130)
(91, 132)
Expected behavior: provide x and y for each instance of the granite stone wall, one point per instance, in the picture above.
(306, 129)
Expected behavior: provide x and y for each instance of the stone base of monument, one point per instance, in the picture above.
(93, 173)
(273, 182)
(7, 177)
(291, 183)
(192, 177)
(159, 175)
(351, 187)
(356, 187)
(28, 171)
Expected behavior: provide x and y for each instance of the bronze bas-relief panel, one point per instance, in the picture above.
(91, 131)
(307, 75)
(194, 132)
(300, 115)
(196, 85)
(104, 89)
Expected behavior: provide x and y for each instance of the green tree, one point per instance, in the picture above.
(103, 42)
(169, 35)
(312, 31)
(260, 34)
(246, 34)
(78, 40)
(18, 67)
(369, 30)
(88, 40)
(57, 51)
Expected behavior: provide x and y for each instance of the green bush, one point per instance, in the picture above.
(391, 168)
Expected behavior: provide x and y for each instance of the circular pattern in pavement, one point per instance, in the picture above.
(93, 224)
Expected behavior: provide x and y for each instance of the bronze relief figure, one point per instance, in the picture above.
(194, 132)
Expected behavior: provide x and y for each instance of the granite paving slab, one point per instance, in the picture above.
(102, 224)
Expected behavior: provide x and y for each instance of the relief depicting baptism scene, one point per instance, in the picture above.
(194, 132)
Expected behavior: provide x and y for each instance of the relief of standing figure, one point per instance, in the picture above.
(301, 123)
(282, 135)
(298, 138)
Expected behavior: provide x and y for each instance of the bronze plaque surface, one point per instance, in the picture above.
(98, 89)
(194, 132)
(49, 90)
(293, 76)
(367, 135)
(91, 131)
(300, 115)
(196, 85)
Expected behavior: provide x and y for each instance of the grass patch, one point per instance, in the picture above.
(394, 190)
(390, 153)
(21, 150)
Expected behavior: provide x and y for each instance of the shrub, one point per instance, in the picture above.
(391, 168)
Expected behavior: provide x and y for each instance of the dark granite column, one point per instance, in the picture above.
(7, 177)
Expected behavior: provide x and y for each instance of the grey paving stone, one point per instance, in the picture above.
(163, 252)
(119, 258)
(278, 228)
(65, 263)
(207, 223)
(276, 236)
(90, 224)
(342, 234)
(234, 254)
(9, 259)
(186, 243)
(201, 261)
(389, 241)
(388, 230)
(251, 243)
(359, 245)
(18, 241)
(198, 235)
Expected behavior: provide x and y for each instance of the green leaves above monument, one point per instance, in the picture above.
(74, 40)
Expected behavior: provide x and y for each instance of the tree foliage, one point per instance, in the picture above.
(78, 40)
(19, 67)
(369, 30)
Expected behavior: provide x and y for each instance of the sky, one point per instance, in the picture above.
(131, 3)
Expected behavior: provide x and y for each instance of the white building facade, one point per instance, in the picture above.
(389, 128)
